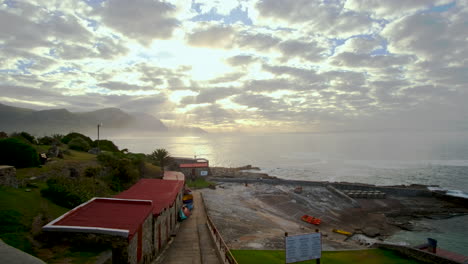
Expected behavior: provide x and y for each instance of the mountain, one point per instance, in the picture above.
(45, 122)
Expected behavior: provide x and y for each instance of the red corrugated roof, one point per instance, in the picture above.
(162, 192)
(194, 165)
(99, 215)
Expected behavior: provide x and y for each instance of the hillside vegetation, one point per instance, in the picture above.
(64, 181)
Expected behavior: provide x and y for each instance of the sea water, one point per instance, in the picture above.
(375, 158)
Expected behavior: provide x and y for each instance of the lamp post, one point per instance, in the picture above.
(98, 126)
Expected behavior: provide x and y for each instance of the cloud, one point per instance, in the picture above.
(212, 37)
(212, 114)
(361, 45)
(258, 41)
(310, 51)
(144, 20)
(391, 9)
(430, 36)
(315, 16)
(354, 60)
(241, 60)
(209, 95)
(121, 86)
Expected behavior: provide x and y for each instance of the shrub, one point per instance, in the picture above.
(106, 145)
(16, 153)
(70, 136)
(45, 140)
(79, 144)
(92, 171)
(123, 169)
(3, 135)
(69, 192)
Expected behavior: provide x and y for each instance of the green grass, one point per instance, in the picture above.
(199, 183)
(369, 256)
(18, 208)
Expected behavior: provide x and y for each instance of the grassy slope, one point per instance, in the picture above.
(370, 256)
(199, 183)
(19, 209)
(23, 212)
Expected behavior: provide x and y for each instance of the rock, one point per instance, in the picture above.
(55, 152)
(371, 231)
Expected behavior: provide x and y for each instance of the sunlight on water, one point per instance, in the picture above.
(375, 158)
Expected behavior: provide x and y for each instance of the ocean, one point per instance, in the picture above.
(376, 158)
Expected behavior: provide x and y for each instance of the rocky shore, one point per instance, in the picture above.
(254, 210)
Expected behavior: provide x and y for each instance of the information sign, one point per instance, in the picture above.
(303, 247)
(204, 173)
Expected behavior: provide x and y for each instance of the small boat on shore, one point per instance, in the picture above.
(311, 220)
(339, 231)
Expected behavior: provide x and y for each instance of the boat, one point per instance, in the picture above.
(311, 219)
(339, 231)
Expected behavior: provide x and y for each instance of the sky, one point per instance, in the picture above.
(240, 65)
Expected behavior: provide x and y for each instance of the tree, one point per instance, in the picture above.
(161, 158)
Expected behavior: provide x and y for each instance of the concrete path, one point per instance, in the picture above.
(193, 243)
(11, 255)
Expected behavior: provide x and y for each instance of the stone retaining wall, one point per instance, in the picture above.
(8, 176)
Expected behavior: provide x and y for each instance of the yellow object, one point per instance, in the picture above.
(339, 231)
(187, 197)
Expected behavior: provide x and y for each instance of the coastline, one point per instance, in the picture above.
(265, 207)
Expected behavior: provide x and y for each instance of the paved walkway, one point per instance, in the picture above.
(11, 255)
(193, 243)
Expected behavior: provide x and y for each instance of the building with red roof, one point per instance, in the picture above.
(130, 220)
(193, 167)
(137, 222)
(166, 196)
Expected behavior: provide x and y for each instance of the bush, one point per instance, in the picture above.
(3, 135)
(68, 192)
(45, 140)
(92, 172)
(70, 136)
(16, 153)
(106, 145)
(123, 169)
(79, 144)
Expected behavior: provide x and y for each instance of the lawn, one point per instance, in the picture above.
(19, 208)
(199, 183)
(23, 212)
(369, 256)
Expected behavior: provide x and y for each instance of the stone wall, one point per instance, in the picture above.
(8, 176)
(420, 255)
(148, 239)
(132, 250)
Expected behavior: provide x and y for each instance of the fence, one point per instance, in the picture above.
(222, 248)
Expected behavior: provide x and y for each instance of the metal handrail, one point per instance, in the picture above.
(224, 250)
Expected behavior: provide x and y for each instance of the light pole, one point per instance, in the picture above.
(98, 149)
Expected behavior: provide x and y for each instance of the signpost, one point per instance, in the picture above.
(303, 247)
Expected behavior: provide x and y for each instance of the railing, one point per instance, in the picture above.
(223, 249)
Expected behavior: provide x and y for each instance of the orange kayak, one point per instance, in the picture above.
(311, 219)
